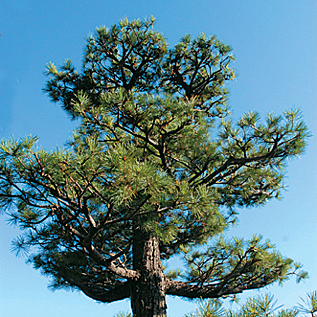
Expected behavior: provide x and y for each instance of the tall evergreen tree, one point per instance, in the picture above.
(156, 168)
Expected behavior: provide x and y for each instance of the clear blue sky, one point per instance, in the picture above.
(275, 46)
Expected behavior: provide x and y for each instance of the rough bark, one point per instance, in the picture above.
(148, 291)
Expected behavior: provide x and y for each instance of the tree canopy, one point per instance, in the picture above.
(156, 168)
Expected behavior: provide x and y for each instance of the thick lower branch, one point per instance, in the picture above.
(119, 292)
(115, 293)
(210, 291)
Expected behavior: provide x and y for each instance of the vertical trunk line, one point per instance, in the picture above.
(148, 292)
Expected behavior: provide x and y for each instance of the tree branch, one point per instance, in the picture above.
(211, 291)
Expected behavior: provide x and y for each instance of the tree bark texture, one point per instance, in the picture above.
(148, 291)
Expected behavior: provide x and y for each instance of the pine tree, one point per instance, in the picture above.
(155, 169)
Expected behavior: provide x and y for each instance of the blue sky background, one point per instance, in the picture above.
(275, 45)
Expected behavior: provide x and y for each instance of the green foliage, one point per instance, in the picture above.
(211, 308)
(248, 258)
(259, 306)
(155, 150)
(309, 304)
(122, 314)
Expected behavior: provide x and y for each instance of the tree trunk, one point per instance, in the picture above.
(148, 292)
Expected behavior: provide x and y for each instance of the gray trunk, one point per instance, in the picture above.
(148, 292)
